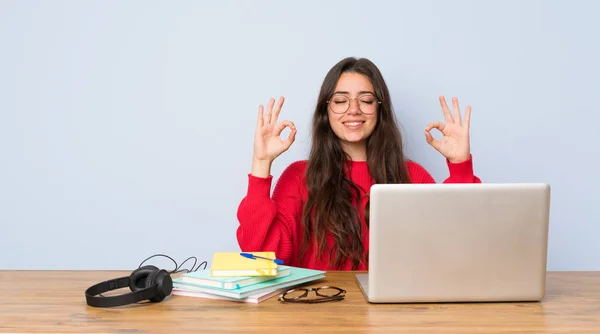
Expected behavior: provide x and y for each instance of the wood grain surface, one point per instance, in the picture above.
(54, 302)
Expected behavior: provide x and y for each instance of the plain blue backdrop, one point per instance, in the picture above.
(126, 127)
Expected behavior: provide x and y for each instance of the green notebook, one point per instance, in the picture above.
(297, 276)
(204, 278)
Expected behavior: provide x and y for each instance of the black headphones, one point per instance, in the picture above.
(145, 283)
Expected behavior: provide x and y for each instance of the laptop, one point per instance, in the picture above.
(433, 243)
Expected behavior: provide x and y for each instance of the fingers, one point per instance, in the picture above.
(277, 110)
(269, 111)
(467, 117)
(447, 114)
(430, 140)
(457, 118)
(260, 120)
(291, 137)
(438, 125)
(272, 114)
(282, 125)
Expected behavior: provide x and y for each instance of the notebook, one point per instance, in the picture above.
(296, 276)
(233, 264)
(255, 299)
(204, 278)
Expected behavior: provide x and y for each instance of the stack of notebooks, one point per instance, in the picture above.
(237, 278)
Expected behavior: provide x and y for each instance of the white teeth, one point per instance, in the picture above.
(353, 123)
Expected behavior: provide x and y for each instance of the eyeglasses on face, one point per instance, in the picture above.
(367, 103)
(323, 294)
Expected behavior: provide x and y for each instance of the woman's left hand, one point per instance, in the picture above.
(455, 145)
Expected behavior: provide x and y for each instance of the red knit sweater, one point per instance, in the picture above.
(274, 223)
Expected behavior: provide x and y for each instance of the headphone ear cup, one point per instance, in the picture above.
(164, 282)
(138, 278)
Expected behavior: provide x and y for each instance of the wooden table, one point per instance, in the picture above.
(54, 302)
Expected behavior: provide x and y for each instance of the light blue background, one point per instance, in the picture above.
(126, 127)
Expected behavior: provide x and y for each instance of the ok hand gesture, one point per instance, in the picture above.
(455, 144)
(267, 143)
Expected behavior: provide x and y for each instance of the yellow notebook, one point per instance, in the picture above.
(233, 264)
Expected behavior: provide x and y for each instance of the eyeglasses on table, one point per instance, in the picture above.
(322, 294)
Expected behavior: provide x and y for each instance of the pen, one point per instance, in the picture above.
(254, 257)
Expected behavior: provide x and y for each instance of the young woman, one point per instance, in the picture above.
(317, 216)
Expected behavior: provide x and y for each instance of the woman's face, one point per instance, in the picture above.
(352, 109)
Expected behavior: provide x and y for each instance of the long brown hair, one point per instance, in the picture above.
(329, 207)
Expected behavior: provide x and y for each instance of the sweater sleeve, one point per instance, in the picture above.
(461, 172)
(267, 223)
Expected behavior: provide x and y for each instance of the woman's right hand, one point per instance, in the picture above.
(267, 142)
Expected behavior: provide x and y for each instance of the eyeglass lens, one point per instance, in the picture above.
(367, 104)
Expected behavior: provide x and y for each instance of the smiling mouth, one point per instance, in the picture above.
(354, 124)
